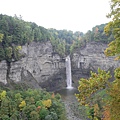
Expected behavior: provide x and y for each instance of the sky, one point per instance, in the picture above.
(74, 15)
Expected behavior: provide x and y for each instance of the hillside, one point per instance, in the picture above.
(15, 32)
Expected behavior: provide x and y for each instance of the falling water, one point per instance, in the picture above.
(68, 72)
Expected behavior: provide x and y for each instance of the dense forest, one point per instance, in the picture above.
(30, 105)
(15, 32)
(98, 34)
(65, 41)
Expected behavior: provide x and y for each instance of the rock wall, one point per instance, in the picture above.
(40, 62)
(91, 57)
(47, 69)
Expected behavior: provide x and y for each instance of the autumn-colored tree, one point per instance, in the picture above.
(97, 82)
(2, 95)
(1, 37)
(114, 50)
(22, 105)
(114, 93)
(88, 87)
(30, 105)
(106, 113)
(47, 103)
(88, 90)
(114, 27)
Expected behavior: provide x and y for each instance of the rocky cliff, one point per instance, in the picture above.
(91, 57)
(40, 63)
(41, 66)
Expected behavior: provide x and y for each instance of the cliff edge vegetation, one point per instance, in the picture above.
(15, 32)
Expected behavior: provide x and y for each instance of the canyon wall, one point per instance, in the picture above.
(40, 63)
(91, 57)
(47, 69)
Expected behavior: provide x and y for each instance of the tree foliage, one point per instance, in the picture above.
(64, 42)
(30, 105)
(15, 32)
(98, 35)
(114, 93)
(89, 89)
(114, 27)
(100, 96)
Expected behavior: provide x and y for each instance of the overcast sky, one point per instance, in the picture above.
(75, 15)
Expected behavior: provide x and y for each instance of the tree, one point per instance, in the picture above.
(114, 93)
(114, 50)
(99, 82)
(114, 27)
(91, 92)
(1, 37)
(16, 32)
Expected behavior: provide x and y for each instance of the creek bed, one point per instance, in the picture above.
(71, 104)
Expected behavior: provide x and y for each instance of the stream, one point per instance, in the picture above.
(68, 95)
(70, 103)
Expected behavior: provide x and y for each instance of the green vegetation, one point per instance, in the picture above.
(93, 93)
(98, 34)
(114, 28)
(100, 96)
(64, 41)
(30, 105)
(14, 32)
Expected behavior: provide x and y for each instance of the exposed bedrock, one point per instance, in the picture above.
(91, 57)
(40, 62)
(47, 69)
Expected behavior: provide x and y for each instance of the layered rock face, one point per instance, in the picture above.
(39, 63)
(42, 65)
(91, 57)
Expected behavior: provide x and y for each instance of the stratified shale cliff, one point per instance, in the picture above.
(41, 66)
(91, 57)
(40, 63)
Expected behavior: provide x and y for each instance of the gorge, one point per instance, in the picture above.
(42, 67)
(33, 55)
(49, 74)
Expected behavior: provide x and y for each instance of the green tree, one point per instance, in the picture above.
(111, 99)
(34, 115)
(8, 53)
(1, 37)
(89, 92)
(114, 93)
(114, 27)
(16, 32)
(114, 50)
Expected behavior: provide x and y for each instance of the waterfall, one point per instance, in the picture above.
(68, 72)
